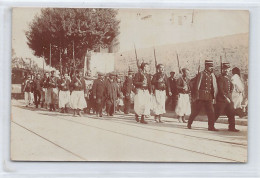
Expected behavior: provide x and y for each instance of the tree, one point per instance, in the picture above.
(64, 30)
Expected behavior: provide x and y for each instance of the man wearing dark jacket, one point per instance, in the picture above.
(111, 94)
(128, 88)
(172, 100)
(98, 91)
(37, 90)
(224, 104)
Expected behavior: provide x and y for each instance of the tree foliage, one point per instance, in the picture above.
(61, 28)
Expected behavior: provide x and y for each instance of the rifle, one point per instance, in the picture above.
(199, 67)
(220, 64)
(137, 63)
(155, 61)
(178, 63)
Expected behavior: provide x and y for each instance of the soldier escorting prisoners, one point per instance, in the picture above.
(205, 91)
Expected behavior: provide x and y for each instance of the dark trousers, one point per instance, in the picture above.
(228, 110)
(99, 105)
(171, 102)
(110, 107)
(209, 111)
(37, 97)
(127, 103)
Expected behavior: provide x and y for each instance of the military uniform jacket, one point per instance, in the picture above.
(98, 88)
(160, 82)
(64, 84)
(138, 81)
(78, 84)
(181, 83)
(224, 89)
(128, 87)
(205, 86)
(111, 90)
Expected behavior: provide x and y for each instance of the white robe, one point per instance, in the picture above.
(77, 100)
(183, 106)
(159, 102)
(142, 104)
(64, 98)
(238, 91)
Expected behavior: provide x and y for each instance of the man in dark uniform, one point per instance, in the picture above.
(205, 91)
(224, 104)
(88, 92)
(98, 91)
(171, 101)
(128, 88)
(37, 90)
(111, 94)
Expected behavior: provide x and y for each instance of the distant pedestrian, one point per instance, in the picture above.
(37, 89)
(128, 89)
(98, 91)
(111, 94)
(89, 80)
(27, 89)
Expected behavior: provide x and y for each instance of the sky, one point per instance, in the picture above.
(145, 27)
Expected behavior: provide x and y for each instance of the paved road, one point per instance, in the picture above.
(40, 135)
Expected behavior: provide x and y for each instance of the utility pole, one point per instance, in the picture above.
(50, 54)
(43, 61)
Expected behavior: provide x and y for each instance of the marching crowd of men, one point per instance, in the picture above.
(148, 93)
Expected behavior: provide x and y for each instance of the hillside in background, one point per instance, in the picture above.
(232, 48)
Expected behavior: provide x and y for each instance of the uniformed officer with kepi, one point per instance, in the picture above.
(205, 92)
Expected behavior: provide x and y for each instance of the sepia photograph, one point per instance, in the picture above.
(129, 85)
